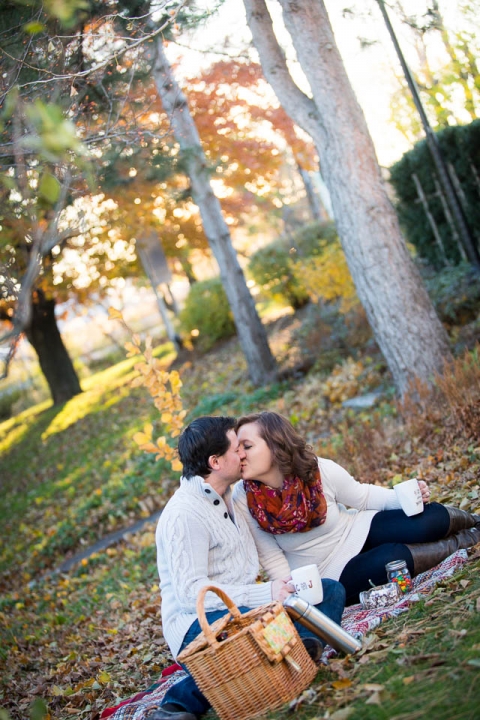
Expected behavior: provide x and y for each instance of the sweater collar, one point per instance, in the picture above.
(199, 487)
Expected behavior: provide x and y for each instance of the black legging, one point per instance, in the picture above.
(389, 530)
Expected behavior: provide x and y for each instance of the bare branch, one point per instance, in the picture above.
(55, 77)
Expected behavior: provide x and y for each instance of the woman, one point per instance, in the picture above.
(296, 506)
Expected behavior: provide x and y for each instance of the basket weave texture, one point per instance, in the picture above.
(241, 674)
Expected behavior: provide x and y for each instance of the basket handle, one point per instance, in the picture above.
(202, 618)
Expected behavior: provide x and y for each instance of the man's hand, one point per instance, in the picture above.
(281, 589)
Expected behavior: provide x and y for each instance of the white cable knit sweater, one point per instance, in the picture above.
(331, 545)
(202, 541)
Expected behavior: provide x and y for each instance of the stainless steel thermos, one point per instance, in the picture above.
(321, 625)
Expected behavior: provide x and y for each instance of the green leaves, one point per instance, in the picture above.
(54, 135)
(34, 27)
(68, 12)
(38, 711)
(49, 188)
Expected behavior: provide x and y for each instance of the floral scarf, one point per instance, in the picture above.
(296, 507)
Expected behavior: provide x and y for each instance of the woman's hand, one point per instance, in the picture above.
(281, 589)
(424, 490)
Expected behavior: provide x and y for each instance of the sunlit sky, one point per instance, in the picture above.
(371, 71)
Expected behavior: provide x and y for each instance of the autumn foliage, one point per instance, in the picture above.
(164, 387)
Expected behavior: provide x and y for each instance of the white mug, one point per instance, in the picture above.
(409, 496)
(308, 584)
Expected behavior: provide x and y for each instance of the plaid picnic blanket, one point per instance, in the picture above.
(355, 620)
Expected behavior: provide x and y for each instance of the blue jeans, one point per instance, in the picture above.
(187, 695)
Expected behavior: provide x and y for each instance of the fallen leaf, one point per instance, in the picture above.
(374, 699)
(342, 714)
(373, 687)
(340, 684)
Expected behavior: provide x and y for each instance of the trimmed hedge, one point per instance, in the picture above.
(460, 146)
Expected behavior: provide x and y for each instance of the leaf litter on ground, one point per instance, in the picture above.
(85, 640)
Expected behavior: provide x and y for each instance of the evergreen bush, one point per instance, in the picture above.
(460, 148)
(207, 311)
(455, 293)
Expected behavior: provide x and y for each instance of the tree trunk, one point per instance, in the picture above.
(317, 210)
(251, 333)
(44, 336)
(405, 324)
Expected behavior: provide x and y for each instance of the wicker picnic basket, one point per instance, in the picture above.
(247, 665)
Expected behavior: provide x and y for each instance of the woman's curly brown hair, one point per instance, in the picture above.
(290, 451)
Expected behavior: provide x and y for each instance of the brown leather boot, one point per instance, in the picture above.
(460, 520)
(427, 555)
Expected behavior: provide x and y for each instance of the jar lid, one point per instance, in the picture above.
(395, 565)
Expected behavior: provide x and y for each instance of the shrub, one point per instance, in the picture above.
(274, 267)
(308, 239)
(326, 275)
(8, 398)
(206, 315)
(460, 147)
(460, 386)
(455, 293)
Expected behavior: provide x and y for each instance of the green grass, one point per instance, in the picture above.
(71, 474)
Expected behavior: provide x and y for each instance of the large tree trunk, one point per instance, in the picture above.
(402, 317)
(44, 336)
(251, 333)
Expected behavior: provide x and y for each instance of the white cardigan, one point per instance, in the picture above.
(202, 541)
(331, 545)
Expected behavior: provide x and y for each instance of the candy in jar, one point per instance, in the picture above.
(398, 572)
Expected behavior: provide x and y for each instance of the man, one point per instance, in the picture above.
(202, 541)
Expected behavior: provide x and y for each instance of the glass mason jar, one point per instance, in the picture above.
(398, 572)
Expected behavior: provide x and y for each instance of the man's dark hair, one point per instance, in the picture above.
(204, 436)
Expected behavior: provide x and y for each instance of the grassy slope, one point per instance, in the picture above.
(84, 640)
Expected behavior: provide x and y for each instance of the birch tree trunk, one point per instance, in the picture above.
(404, 322)
(251, 333)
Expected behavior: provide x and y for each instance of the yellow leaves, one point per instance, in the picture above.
(175, 382)
(114, 314)
(164, 388)
(103, 677)
(142, 438)
(342, 683)
(327, 276)
(344, 382)
(132, 349)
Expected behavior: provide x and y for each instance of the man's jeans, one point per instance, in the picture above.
(186, 693)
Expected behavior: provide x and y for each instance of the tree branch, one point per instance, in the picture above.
(299, 106)
(55, 77)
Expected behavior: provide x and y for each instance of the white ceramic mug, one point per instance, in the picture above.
(409, 496)
(308, 584)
